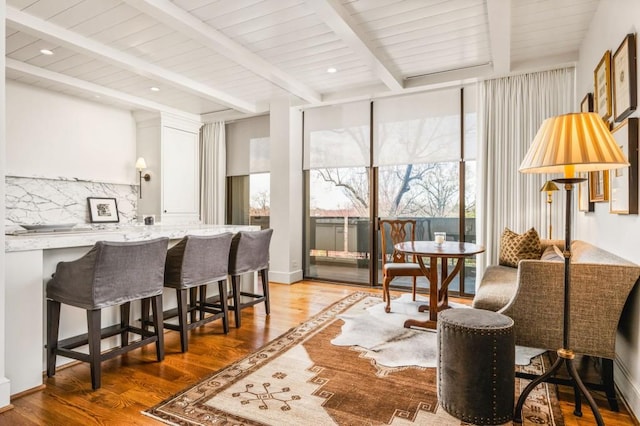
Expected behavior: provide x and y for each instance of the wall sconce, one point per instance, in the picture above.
(140, 166)
(549, 187)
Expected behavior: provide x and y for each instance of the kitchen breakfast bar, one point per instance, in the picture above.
(31, 259)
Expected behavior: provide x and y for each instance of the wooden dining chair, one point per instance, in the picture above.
(394, 263)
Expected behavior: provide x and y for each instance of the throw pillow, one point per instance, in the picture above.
(515, 247)
(553, 254)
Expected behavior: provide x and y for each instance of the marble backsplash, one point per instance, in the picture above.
(37, 201)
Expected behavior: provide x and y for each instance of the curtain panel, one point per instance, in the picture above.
(511, 110)
(213, 171)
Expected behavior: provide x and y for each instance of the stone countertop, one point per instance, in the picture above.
(87, 236)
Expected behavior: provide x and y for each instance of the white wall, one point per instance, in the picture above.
(616, 233)
(4, 383)
(286, 189)
(53, 135)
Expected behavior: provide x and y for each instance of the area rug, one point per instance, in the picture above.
(382, 336)
(301, 378)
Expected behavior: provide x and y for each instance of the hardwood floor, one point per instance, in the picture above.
(135, 381)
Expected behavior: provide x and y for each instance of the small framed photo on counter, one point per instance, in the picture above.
(103, 210)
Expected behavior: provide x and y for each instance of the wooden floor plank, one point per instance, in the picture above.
(135, 381)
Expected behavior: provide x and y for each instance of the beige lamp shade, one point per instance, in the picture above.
(141, 164)
(569, 143)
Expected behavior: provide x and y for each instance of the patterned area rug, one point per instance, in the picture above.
(301, 378)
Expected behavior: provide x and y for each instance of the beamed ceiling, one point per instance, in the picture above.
(226, 58)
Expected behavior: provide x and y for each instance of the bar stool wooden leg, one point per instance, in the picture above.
(125, 311)
(182, 318)
(158, 320)
(191, 306)
(202, 304)
(144, 317)
(94, 326)
(53, 327)
(265, 289)
(235, 286)
(222, 291)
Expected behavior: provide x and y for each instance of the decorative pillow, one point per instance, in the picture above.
(553, 254)
(515, 247)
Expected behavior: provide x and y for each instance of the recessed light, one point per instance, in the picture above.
(154, 89)
(46, 52)
(331, 70)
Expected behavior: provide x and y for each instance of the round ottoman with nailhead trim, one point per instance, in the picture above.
(476, 365)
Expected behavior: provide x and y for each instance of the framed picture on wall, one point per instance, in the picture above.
(103, 210)
(599, 186)
(602, 89)
(584, 204)
(625, 86)
(587, 103)
(623, 184)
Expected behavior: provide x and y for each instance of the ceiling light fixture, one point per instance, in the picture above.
(331, 70)
(154, 89)
(46, 52)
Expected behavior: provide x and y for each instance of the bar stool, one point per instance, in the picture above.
(110, 274)
(192, 264)
(249, 253)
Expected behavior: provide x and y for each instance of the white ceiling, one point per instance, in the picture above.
(218, 58)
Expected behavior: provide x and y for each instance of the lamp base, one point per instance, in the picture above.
(565, 356)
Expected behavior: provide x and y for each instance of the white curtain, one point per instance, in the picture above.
(511, 110)
(213, 171)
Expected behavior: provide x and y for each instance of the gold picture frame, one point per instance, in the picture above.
(602, 90)
(625, 86)
(599, 186)
(584, 204)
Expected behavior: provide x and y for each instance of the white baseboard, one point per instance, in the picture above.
(285, 277)
(5, 392)
(627, 387)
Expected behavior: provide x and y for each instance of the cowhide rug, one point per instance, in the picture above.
(384, 339)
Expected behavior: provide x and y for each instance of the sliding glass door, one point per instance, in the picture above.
(416, 150)
(401, 157)
(337, 225)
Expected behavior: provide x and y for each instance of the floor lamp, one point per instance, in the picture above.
(549, 187)
(568, 144)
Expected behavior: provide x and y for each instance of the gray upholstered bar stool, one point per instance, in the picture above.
(249, 253)
(476, 365)
(110, 274)
(192, 264)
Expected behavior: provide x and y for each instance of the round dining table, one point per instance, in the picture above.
(438, 283)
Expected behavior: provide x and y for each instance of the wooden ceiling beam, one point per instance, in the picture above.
(78, 43)
(178, 19)
(340, 21)
(499, 17)
(95, 89)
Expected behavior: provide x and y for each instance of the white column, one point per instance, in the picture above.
(5, 390)
(286, 202)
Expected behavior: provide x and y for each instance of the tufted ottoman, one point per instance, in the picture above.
(476, 365)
